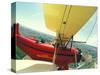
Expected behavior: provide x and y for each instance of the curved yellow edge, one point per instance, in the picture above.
(74, 16)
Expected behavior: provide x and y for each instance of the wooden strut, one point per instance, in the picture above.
(55, 51)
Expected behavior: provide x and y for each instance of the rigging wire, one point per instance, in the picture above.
(59, 34)
(63, 18)
(91, 30)
(86, 40)
(67, 19)
(64, 22)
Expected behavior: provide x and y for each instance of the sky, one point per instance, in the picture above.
(31, 15)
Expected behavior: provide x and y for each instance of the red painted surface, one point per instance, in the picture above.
(45, 52)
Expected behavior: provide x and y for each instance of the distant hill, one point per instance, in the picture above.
(33, 33)
(87, 49)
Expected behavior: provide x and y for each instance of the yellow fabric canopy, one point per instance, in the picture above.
(66, 19)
